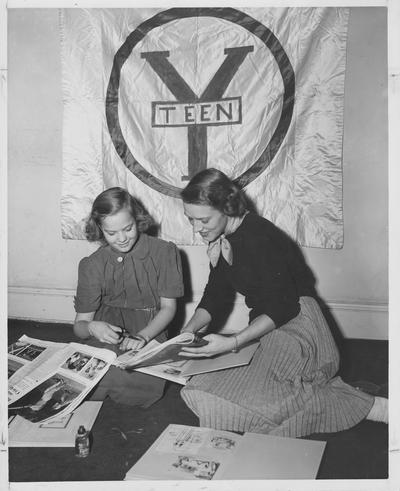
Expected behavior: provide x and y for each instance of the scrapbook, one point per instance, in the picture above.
(186, 452)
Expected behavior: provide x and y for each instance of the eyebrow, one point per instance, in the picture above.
(197, 218)
(127, 226)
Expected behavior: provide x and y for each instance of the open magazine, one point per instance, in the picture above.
(48, 379)
(163, 359)
(181, 370)
(155, 353)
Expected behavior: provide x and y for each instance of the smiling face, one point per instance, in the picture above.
(206, 220)
(120, 230)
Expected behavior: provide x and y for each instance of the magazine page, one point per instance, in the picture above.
(220, 362)
(24, 357)
(155, 353)
(57, 432)
(55, 354)
(186, 452)
(63, 384)
(168, 371)
(180, 371)
(126, 359)
(29, 352)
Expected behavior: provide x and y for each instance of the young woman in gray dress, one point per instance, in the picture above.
(290, 387)
(127, 290)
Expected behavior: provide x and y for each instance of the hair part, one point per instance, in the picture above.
(110, 202)
(211, 187)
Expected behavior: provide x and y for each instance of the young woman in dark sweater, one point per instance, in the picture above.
(290, 387)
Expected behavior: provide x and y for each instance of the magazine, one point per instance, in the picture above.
(181, 370)
(48, 379)
(187, 452)
(28, 353)
(154, 353)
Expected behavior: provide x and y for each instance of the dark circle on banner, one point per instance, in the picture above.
(228, 14)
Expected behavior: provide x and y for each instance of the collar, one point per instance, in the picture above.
(139, 251)
(222, 246)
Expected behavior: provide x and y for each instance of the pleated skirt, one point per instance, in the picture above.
(288, 389)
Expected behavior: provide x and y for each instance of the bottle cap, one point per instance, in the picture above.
(81, 430)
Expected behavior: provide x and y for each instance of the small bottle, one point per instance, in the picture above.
(82, 442)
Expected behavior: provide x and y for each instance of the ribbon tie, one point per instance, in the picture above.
(222, 244)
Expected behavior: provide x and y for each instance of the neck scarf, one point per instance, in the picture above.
(222, 245)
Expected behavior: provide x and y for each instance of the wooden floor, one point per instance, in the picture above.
(122, 434)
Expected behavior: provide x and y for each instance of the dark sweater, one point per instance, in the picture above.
(268, 269)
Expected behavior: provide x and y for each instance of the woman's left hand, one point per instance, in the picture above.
(216, 344)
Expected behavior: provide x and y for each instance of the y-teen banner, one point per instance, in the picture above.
(153, 96)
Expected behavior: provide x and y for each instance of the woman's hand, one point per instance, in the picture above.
(216, 344)
(129, 343)
(199, 320)
(105, 332)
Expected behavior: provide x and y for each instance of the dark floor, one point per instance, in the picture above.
(121, 434)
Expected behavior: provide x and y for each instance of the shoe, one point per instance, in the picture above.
(379, 411)
(371, 388)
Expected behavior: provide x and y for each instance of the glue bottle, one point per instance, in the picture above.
(82, 442)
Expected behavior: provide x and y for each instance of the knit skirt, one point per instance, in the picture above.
(288, 389)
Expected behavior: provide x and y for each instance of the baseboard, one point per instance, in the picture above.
(41, 304)
(356, 320)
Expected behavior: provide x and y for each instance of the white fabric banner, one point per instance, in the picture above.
(153, 96)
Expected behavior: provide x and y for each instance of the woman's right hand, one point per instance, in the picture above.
(105, 332)
(216, 344)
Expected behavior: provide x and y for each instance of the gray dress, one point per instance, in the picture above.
(124, 289)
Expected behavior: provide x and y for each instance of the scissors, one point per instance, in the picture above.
(126, 334)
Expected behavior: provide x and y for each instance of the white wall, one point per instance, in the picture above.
(43, 266)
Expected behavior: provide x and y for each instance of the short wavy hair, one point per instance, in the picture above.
(110, 202)
(211, 187)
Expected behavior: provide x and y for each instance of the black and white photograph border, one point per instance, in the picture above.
(393, 481)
